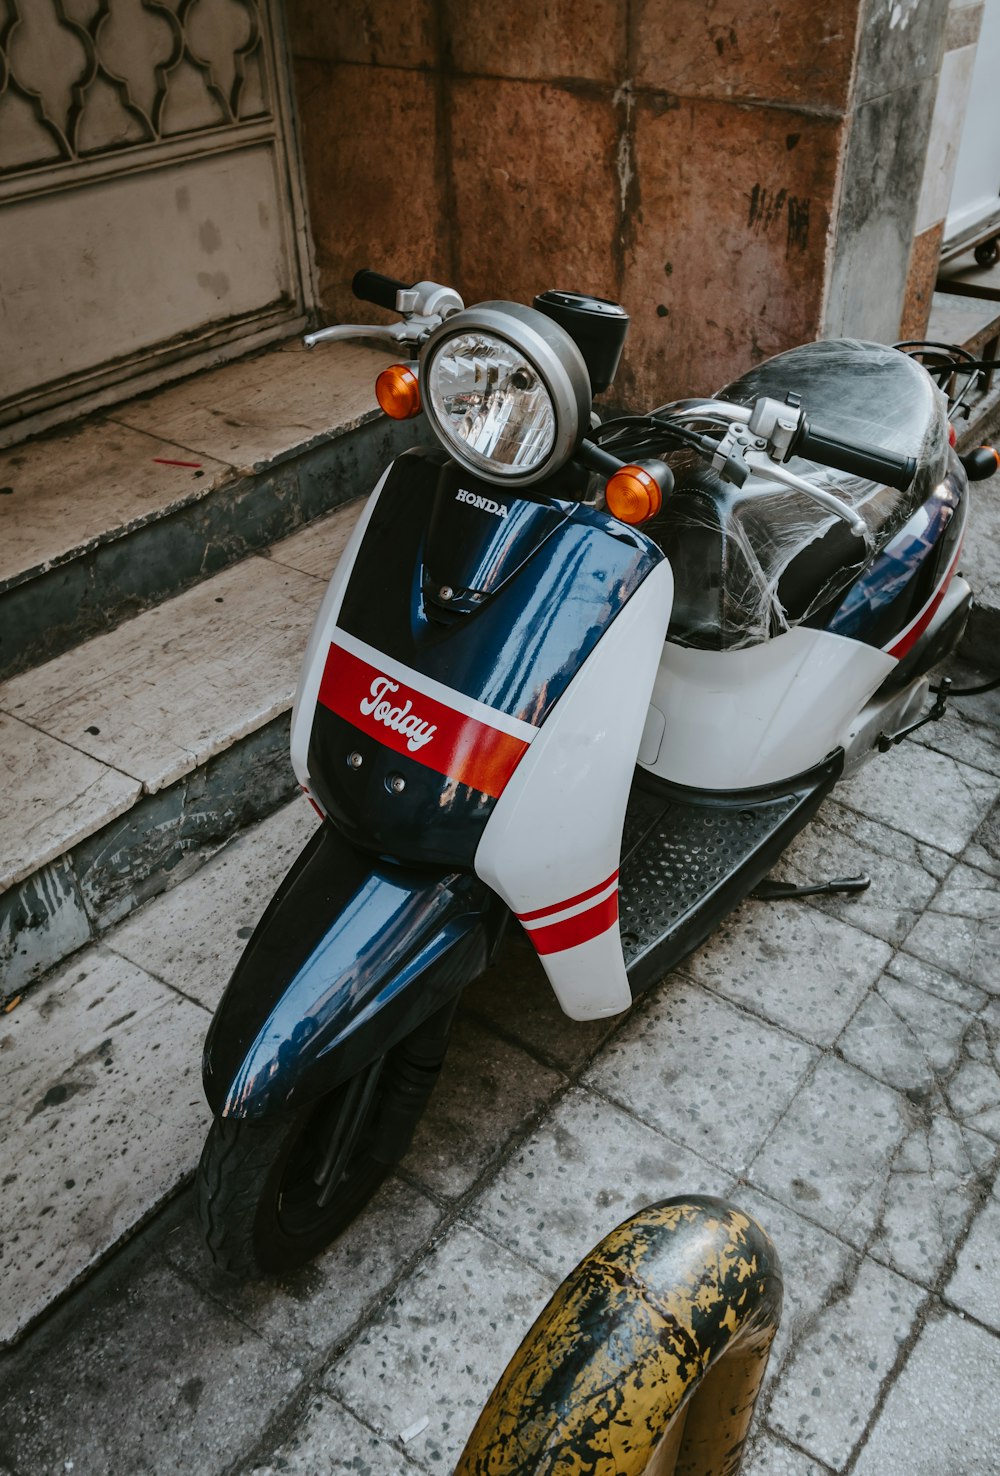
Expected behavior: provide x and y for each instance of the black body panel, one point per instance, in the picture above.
(689, 857)
(347, 960)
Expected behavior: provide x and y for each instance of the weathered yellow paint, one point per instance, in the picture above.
(648, 1359)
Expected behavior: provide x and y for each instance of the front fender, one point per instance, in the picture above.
(347, 960)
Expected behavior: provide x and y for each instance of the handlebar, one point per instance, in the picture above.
(871, 462)
(374, 287)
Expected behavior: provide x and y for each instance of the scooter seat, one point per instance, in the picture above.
(751, 562)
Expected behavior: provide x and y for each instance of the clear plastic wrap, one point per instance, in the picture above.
(754, 561)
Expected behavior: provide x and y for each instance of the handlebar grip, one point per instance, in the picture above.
(373, 287)
(849, 456)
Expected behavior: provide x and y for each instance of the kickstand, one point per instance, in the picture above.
(776, 891)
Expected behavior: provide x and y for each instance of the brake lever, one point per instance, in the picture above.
(761, 463)
(391, 333)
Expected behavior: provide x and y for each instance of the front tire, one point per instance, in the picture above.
(272, 1193)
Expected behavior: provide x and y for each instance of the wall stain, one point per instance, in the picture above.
(765, 207)
(798, 225)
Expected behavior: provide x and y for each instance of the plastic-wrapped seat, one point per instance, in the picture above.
(751, 562)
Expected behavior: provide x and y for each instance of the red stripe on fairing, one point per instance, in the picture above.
(910, 637)
(580, 928)
(570, 901)
(459, 747)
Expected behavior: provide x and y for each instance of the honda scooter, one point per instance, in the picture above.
(582, 679)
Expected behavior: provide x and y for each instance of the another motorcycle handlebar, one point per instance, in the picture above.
(373, 287)
(871, 462)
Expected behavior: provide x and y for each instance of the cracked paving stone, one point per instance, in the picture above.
(769, 1458)
(329, 1441)
(872, 1166)
(905, 1037)
(983, 850)
(929, 1195)
(940, 1416)
(441, 1344)
(904, 872)
(793, 965)
(813, 1262)
(924, 794)
(704, 1073)
(155, 1379)
(974, 1090)
(960, 931)
(975, 1283)
(936, 982)
(830, 1386)
(586, 1168)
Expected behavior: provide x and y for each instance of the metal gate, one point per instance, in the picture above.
(149, 211)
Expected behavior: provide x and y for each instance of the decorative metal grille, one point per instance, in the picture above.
(80, 78)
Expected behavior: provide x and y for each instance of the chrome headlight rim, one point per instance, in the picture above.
(551, 352)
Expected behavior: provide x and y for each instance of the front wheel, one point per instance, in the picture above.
(272, 1193)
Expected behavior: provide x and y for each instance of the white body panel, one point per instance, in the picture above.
(739, 719)
(551, 848)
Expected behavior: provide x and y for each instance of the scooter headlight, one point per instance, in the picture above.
(507, 391)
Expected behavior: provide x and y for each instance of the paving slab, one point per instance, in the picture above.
(586, 1168)
(440, 1345)
(306, 1313)
(768, 1457)
(167, 690)
(940, 1417)
(192, 937)
(793, 965)
(101, 1114)
(904, 872)
(937, 982)
(930, 1194)
(514, 997)
(71, 491)
(707, 1075)
(876, 1169)
(975, 1283)
(906, 1037)
(829, 1156)
(240, 416)
(925, 794)
(973, 1092)
(983, 850)
(830, 1387)
(960, 929)
(813, 1263)
(155, 1379)
(330, 1441)
(487, 1089)
(55, 796)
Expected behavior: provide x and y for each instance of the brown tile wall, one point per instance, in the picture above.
(678, 155)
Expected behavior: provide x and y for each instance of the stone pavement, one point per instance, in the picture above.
(832, 1065)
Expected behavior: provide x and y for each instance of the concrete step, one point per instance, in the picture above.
(104, 520)
(134, 756)
(101, 1106)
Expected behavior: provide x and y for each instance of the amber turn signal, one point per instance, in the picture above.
(398, 392)
(632, 495)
